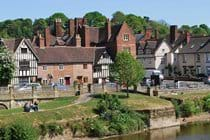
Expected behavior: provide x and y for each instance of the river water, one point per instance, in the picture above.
(199, 131)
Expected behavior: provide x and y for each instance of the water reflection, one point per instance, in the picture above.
(189, 132)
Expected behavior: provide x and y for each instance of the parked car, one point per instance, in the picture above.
(28, 87)
(59, 86)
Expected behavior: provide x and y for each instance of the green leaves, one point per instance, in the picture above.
(95, 19)
(127, 70)
(7, 66)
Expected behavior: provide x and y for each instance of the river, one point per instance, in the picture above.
(199, 131)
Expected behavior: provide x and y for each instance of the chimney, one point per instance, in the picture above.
(156, 34)
(71, 27)
(78, 40)
(188, 37)
(41, 41)
(173, 33)
(78, 24)
(58, 28)
(86, 36)
(148, 33)
(47, 37)
(108, 29)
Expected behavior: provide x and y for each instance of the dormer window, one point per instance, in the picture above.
(23, 50)
(126, 37)
(198, 58)
(192, 46)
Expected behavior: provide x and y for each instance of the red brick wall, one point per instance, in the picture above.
(131, 43)
(69, 71)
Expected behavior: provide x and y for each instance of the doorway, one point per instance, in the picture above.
(67, 80)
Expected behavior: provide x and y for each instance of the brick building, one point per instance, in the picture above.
(115, 38)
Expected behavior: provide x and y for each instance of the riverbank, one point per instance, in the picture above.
(203, 117)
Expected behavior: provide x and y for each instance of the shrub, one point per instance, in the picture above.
(76, 127)
(188, 108)
(95, 127)
(54, 129)
(177, 108)
(207, 103)
(20, 130)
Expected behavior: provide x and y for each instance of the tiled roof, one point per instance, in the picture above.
(63, 55)
(12, 44)
(195, 44)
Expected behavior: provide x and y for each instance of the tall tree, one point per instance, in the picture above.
(7, 66)
(58, 15)
(95, 19)
(137, 23)
(118, 17)
(39, 25)
(127, 70)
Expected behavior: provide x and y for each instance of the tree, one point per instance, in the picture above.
(62, 16)
(137, 23)
(95, 19)
(118, 17)
(7, 66)
(39, 25)
(127, 70)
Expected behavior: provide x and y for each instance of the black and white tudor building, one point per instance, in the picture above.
(25, 60)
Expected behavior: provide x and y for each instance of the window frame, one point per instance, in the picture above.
(126, 37)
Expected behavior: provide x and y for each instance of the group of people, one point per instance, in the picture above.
(31, 106)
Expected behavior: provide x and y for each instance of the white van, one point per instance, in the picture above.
(148, 74)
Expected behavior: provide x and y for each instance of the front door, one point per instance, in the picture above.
(67, 80)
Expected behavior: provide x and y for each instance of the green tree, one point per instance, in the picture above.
(137, 23)
(118, 17)
(127, 70)
(7, 66)
(61, 16)
(198, 31)
(39, 25)
(95, 19)
(205, 27)
(186, 28)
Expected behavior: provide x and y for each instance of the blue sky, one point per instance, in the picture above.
(173, 11)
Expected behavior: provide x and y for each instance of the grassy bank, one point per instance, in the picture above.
(63, 111)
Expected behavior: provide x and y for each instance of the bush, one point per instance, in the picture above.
(188, 108)
(19, 130)
(51, 129)
(95, 127)
(76, 127)
(207, 103)
(177, 108)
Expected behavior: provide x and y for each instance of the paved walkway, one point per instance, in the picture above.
(83, 98)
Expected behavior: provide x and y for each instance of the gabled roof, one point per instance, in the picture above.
(69, 55)
(151, 45)
(115, 31)
(139, 37)
(13, 44)
(195, 44)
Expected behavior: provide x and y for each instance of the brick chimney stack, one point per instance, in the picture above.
(156, 34)
(71, 27)
(41, 41)
(173, 33)
(86, 36)
(148, 33)
(47, 37)
(78, 40)
(108, 29)
(58, 28)
(188, 37)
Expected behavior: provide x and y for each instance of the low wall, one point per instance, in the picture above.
(162, 118)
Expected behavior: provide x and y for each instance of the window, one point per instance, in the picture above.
(44, 82)
(162, 61)
(127, 49)
(23, 50)
(185, 69)
(126, 37)
(44, 68)
(61, 81)
(198, 57)
(183, 58)
(85, 79)
(208, 57)
(198, 69)
(24, 65)
(84, 66)
(61, 67)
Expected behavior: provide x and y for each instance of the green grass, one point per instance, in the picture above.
(142, 102)
(58, 110)
(184, 96)
(59, 102)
